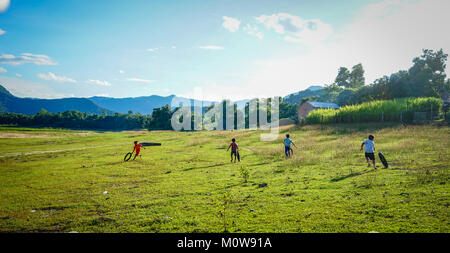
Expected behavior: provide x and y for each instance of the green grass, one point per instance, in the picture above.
(189, 185)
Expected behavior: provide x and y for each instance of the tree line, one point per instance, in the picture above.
(162, 116)
(160, 119)
(77, 120)
(425, 78)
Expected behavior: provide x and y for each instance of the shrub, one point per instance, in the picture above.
(245, 173)
(376, 111)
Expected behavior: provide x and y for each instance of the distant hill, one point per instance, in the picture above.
(295, 98)
(143, 105)
(315, 87)
(11, 103)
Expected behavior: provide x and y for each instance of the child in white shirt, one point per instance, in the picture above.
(369, 150)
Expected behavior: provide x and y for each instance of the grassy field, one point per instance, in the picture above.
(63, 180)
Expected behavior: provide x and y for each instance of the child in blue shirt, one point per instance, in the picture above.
(287, 146)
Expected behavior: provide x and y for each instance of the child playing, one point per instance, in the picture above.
(234, 150)
(369, 150)
(137, 148)
(287, 146)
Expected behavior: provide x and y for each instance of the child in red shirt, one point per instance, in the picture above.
(137, 148)
(234, 150)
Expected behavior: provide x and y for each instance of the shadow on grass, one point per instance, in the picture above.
(349, 128)
(204, 167)
(220, 164)
(354, 174)
(114, 163)
(258, 164)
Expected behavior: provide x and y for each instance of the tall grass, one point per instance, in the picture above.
(376, 111)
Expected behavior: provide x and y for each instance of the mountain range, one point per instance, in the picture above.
(143, 105)
(11, 103)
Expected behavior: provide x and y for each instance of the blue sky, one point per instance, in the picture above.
(205, 49)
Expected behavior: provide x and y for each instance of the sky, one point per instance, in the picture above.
(211, 50)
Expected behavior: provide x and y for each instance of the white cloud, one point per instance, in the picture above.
(38, 59)
(23, 88)
(384, 37)
(18, 75)
(153, 50)
(103, 95)
(2, 31)
(231, 24)
(253, 30)
(295, 29)
(52, 77)
(211, 47)
(4, 4)
(3, 70)
(140, 80)
(121, 71)
(98, 82)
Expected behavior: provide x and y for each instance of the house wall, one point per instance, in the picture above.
(304, 109)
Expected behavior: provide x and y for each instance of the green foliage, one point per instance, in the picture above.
(288, 110)
(375, 111)
(160, 119)
(330, 94)
(353, 79)
(343, 77)
(222, 206)
(356, 79)
(424, 79)
(345, 97)
(428, 73)
(245, 172)
(77, 120)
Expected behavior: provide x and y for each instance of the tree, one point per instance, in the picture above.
(395, 86)
(427, 75)
(353, 79)
(356, 79)
(161, 118)
(345, 97)
(332, 88)
(288, 110)
(43, 117)
(330, 93)
(76, 119)
(343, 77)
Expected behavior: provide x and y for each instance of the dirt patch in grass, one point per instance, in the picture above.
(22, 135)
(40, 135)
(55, 151)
